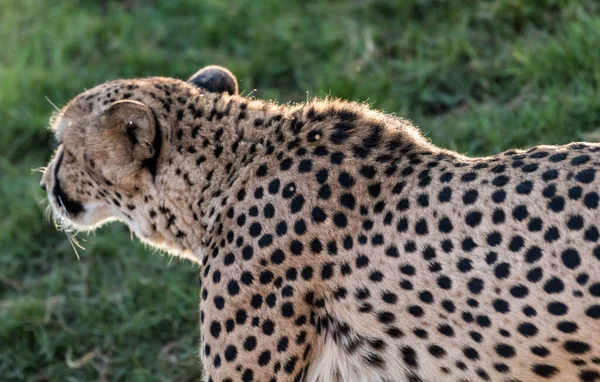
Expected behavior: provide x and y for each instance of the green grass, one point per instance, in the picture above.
(478, 77)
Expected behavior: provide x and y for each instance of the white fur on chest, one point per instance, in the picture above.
(334, 364)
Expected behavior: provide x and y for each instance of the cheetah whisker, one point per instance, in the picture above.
(52, 103)
(41, 170)
(48, 213)
(73, 244)
(63, 207)
(69, 230)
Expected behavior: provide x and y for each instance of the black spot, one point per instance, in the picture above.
(255, 229)
(346, 180)
(473, 218)
(576, 347)
(549, 175)
(287, 309)
(316, 246)
(305, 165)
(386, 317)
(374, 189)
(409, 355)
(529, 311)
(520, 213)
(215, 329)
(549, 191)
(586, 176)
(262, 170)
(421, 227)
(374, 360)
(544, 370)
(250, 343)
(570, 258)
(376, 276)
(505, 351)
(470, 197)
(274, 186)
(499, 196)
(423, 200)
(589, 376)
(475, 285)
(535, 275)
(445, 225)
(498, 216)
(268, 327)
(593, 312)
(501, 306)
(285, 164)
(557, 308)
(437, 351)
(324, 192)
(368, 172)
(575, 223)
(519, 291)
(524, 187)
(446, 330)
(554, 285)
(494, 238)
(567, 327)
(337, 158)
(398, 187)
(340, 220)
(500, 181)
(592, 234)
(322, 176)
(551, 235)
(230, 353)
(557, 204)
(502, 270)
(527, 329)
(327, 271)
(591, 200)
(297, 204)
(266, 277)
(468, 244)
(516, 243)
(307, 273)
(445, 195)
(464, 265)
(471, 353)
(444, 282)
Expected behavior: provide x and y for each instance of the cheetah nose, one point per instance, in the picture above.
(43, 185)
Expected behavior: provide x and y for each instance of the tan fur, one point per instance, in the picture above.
(230, 173)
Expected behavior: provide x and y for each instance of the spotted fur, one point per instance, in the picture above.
(335, 243)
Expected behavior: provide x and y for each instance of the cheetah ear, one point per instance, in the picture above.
(135, 124)
(215, 79)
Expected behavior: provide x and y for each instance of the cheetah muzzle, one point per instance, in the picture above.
(335, 242)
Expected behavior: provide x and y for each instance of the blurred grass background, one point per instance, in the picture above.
(477, 76)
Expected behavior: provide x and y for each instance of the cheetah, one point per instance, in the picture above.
(334, 242)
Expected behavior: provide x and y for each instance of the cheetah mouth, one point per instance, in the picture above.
(88, 219)
(75, 214)
(72, 208)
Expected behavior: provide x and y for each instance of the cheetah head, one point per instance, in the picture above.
(110, 148)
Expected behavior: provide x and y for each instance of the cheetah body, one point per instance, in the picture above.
(336, 243)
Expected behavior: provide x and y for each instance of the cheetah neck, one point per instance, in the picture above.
(208, 143)
(214, 146)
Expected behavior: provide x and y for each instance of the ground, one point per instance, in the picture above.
(476, 78)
